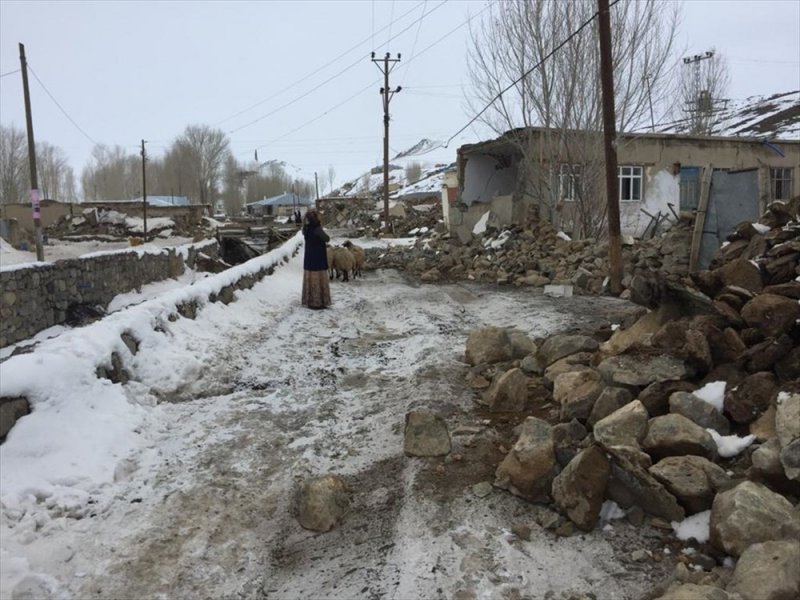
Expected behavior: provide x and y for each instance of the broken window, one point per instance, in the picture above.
(630, 183)
(569, 180)
(780, 183)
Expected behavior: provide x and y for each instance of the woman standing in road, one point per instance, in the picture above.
(316, 286)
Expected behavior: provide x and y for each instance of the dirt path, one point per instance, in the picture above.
(205, 512)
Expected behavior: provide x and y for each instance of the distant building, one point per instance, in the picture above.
(282, 205)
(163, 200)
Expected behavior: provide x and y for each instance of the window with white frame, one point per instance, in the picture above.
(780, 183)
(630, 183)
(569, 181)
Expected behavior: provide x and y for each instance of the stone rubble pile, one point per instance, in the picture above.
(692, 411)
(409, 217)
(534, 254)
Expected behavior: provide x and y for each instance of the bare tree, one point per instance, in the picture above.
(413, 172)
(331, 178)
(203, 150)
(702, 87)
(113, 173)
(56, 177)
(14, 178)
(561, 93)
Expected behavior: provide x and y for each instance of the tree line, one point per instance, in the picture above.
(198, 164)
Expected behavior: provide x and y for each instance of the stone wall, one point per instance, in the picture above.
(35, 297)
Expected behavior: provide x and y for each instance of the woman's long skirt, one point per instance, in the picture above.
(316, 289)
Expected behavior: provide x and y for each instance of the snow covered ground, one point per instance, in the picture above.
(179, 483)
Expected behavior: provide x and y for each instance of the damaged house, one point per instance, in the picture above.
(730, 177)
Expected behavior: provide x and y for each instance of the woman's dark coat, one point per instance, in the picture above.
(315, 257)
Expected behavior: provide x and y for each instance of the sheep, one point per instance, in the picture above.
(343, 263)
(358, 254)
(329, 252)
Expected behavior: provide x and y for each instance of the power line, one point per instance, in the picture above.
(528, 72)
(373, 83)
(16, 71)
(326, 65)
(71, 120)
(342, 72)
(416, 38)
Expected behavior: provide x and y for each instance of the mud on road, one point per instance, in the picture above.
(206, 513)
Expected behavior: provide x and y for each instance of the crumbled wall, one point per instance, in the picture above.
(35, 297)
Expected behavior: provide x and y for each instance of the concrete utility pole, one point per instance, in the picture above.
(386, 94)
(144, 188)
(35, 205)
(610, 139)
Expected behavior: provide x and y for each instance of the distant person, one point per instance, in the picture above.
(297, 217)
(316, 286)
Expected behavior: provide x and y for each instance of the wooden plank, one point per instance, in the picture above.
(700, 218)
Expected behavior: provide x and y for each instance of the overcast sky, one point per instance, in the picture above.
(124, 71)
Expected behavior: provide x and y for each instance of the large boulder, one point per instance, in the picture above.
(425, 435)
(675, 435)
(508, 392)
(698, 411)
(624, 427)
(741, 273)
(748, 514)
(321, 503)
(642, 370)
(11, 410)
(579, 489)
(530, 466)
(693, 480)
(655, 397)
(630, 484)
(559, 346)
(771, 314)
(768, 571)
(787, 429)
(488, 345)
(576, 392)
(609, 400)
(746, 401)
(521, 344)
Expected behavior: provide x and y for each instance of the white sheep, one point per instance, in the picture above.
(359, 254)
(343, 263)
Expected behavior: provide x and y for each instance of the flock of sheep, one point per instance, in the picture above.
(345, 260)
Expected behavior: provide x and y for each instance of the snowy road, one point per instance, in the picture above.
(273, 393)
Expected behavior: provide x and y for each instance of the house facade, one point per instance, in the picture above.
(658, 174)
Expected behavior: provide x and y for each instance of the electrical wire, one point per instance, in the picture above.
(326, 65)
(361, 91)
(414, 45)
(71, 120)
(391, 22)
(315, 88)
(528, 72)
(18, 70)
(376, 82)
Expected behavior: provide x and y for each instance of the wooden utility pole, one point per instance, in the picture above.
(144, 189)
(35, 200)
(610, 139)
(386, 94)
(316, 185)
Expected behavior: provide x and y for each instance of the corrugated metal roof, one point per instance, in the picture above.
(163, 200)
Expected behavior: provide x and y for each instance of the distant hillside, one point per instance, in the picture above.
(431, 156)
(775, 116)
